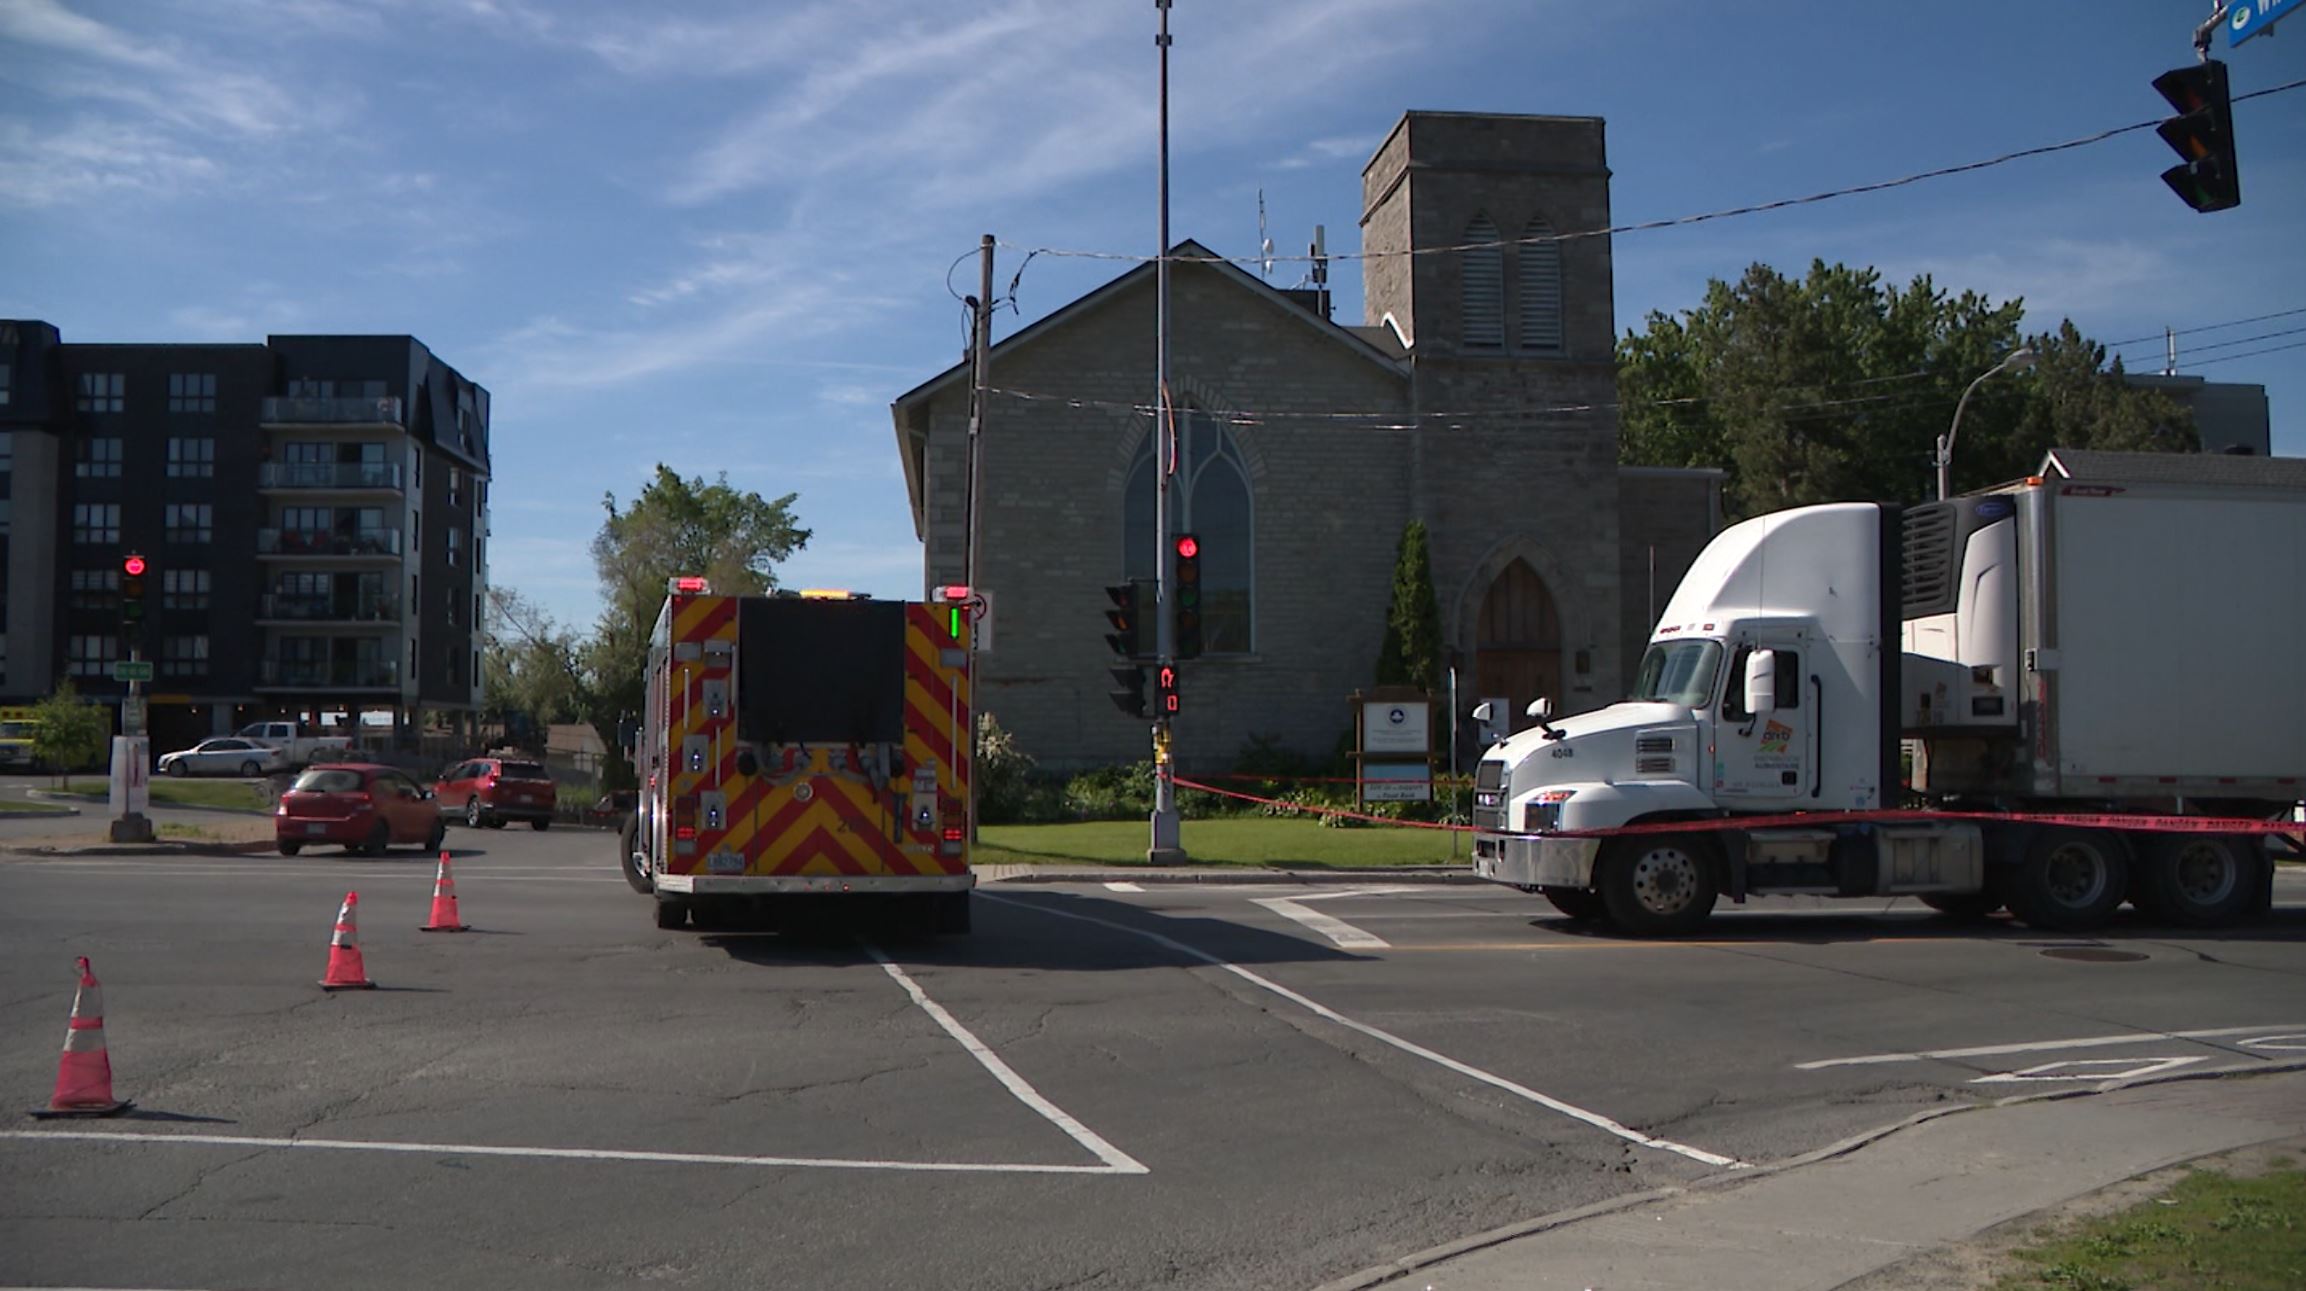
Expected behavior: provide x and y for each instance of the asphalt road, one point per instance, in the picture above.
(1177, 1086)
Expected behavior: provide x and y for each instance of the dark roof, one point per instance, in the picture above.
(2176, 468)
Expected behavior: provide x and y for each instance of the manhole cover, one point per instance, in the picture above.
(2093, 955)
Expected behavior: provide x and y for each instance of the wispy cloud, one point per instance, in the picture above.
(85, 160)
(84, 58)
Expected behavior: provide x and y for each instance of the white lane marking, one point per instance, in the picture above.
(2069, 1069)
(2034, 1046)
(573, 1154)
(1337, 930)
(2294, 1042)
(1594, 1119)
(1123, 887)
(1115, 1159)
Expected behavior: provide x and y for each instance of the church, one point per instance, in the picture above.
(1477, 394)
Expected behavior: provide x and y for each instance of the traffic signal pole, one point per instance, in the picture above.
(1166, 847)
(129, 763)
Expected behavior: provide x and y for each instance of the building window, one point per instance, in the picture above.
(455, 486)
(95, 589)
(184, 656)
(412, 659)
(97, 457)
(476, 609)
(1483, 265)
(103, 392)
(190, 521)
(1540, 289)
(191, 458)
(7, 383)
(95, 522)
(191, 392)
(1212, 501)
(91, 656)
(183, 589)
(7, 442)
(7, 519)
(455, 541)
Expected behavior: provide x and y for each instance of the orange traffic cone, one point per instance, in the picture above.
(345, 971)
(84, 1074)
(444, 916)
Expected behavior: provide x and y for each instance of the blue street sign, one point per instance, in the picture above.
(2246, 18)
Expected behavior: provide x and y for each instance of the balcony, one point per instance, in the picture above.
(357, 544)
(284, 607)
(345, 477)
(306, 411)
(328, 674)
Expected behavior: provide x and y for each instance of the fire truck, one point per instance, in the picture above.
(803, 755)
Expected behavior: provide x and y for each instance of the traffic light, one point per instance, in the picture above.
(1130, 602)
(2203, 135)
(1188, 548)
(132, 588)
(1165, 690)
(1130, 698)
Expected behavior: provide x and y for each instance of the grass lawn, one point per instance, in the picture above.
(31, 808)
(242, 795)
(1243, 840)
(2211, 1230)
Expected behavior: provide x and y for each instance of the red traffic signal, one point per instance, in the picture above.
(1188, 592)
(133, 566)
(1165, 691)
(1188, 546)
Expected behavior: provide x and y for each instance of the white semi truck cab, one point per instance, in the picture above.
(1995, 645)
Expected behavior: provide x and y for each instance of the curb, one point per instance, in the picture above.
(1380, 1274)
(50, 795)
(144, 849)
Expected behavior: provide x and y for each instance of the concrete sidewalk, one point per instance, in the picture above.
(1819, 1223)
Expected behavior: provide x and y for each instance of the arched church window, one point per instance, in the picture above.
(1211, 499)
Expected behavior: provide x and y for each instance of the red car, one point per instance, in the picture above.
(356, 806)
(491, 791)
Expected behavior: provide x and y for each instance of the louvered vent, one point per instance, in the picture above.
(1928, 551)
(1484, 268)
(1541, 329)
(1653, 744)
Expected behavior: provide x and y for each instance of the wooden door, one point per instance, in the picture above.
(1518, 644)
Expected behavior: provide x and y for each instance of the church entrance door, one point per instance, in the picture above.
(1518, 646)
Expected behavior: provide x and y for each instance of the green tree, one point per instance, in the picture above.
(68, 731)
(1835, 387)
(531, 668)
(1411, 653)
(734, 537)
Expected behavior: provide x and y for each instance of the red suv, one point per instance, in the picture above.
(491, 791)
(358, 807)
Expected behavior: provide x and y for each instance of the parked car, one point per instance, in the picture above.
(223, 755)
(359, 807)
(491, 791)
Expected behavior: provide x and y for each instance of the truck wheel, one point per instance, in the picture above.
(1577, 903)
(672, 912)
(1657, 883)
(2197, 880)
(1967, 907)
(635, 865)
(2071, 880)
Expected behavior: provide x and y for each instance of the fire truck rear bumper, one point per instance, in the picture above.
(782, 885)
(1527, 862)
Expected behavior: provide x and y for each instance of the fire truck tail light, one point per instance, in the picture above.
(685, 817)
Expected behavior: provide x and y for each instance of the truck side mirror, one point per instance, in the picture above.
(1540, 708)
(1481, 712)
(1762, 681)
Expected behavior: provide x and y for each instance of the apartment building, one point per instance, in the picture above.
(313, 512)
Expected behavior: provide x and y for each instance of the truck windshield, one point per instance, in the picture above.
(1678, 672)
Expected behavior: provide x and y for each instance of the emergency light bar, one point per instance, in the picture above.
(950, 594)
(690, 585)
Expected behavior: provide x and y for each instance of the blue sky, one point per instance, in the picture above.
(718, 234)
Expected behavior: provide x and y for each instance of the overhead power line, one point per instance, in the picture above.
(1646, 225)
(2204, 327)
(2248, 354)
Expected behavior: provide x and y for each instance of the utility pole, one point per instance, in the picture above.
(981, 380)
(1166, 849)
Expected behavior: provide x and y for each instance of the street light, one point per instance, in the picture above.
(2020, 358)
